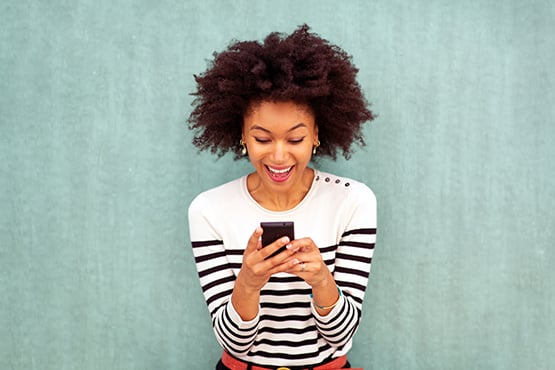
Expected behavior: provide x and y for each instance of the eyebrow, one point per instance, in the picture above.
(258, 127)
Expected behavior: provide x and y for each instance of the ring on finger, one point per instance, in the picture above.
(303, 265)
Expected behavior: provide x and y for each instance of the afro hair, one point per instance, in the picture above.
(301, 67)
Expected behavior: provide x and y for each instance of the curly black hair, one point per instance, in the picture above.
(301, 67)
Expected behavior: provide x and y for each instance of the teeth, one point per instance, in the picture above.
(279, 171)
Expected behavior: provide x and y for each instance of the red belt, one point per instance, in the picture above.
(235, 364)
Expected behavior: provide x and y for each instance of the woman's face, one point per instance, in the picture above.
(279, 137)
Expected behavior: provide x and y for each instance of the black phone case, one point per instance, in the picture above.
(276, 230)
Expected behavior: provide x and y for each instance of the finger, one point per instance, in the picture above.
(295, 265)
(254, 241)
(290, 265)
(270, 249)
(284, 255)
(304, 245)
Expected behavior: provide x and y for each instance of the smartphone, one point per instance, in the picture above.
(275, 230)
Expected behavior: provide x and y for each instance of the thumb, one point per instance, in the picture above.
(254, 241)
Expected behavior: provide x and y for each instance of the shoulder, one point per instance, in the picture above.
(352, 201)
(343, 187)
(216, 196)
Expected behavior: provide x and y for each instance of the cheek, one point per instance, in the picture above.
(304, 154)
(255, 154)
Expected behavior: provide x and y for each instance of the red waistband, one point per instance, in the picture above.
(236, 364)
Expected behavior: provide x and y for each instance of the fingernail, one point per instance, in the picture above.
(285, 239)
(289, 246)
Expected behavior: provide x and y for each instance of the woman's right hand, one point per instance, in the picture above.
(257, 267)
(256, 271)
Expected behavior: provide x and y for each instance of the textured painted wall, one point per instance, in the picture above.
(96, 173)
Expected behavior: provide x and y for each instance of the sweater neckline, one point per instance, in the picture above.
(301, 204)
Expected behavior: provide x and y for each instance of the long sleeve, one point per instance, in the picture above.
(217, 281)
(353, 259)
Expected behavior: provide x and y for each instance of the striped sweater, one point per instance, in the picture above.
(339, 215)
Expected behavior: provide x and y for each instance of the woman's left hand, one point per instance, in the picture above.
(310, 265)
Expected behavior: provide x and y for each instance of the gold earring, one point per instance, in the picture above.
(315, 146)
(244, 150)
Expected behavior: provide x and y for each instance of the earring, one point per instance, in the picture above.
(315, 146)
(244, 150)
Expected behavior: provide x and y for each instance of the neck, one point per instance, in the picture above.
(279, 200)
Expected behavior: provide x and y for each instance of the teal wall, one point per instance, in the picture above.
(97, 171)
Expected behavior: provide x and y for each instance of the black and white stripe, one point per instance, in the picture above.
(288, 331)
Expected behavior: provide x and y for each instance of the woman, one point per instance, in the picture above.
(279, 103)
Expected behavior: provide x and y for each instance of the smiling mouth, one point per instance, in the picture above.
(279, 174)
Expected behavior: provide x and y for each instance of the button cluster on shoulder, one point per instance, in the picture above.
(328, 179)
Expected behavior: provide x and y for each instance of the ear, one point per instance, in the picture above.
(243, 130)
(316, 140)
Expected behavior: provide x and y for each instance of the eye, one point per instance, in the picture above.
(261, 140)
(296, 141)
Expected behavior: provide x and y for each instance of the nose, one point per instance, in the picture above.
(279, 152)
